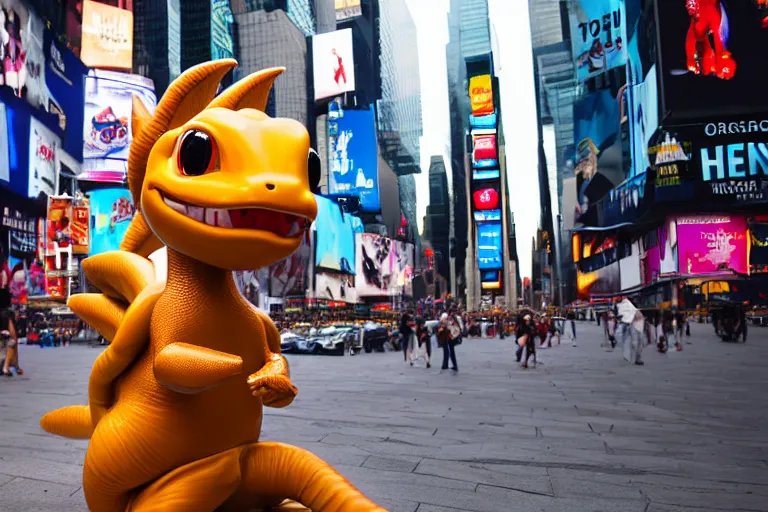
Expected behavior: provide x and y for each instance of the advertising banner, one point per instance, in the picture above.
(604, 281)
(483, 122)
(712, 244)
(484, 153)
(489, 246)
(491, 280)
(713, 57)
(487, 216)
(758, 254)
(107, 40)
(486, 199)
(59, 222)
(62, 91)
(481, 95)
(74, 23)
(374, 266)
(20, 272)
(335, 287)
(43, 160)
(485, 174)
(112, 211)
(352, 158)
(5, 169)
(346, 9)
(222, 43)
(403, 261)
(107, 128)
(333, 64)
(335, 241)
(289, 276)
(598, 36)
(599, 167)
(81, 228)
(16, 40)
(644, 120)
(625, 203)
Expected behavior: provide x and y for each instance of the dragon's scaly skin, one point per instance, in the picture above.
(175, 401)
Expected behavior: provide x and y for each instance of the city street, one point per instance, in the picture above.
(583, 432)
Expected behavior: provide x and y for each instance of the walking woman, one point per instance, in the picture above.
(9, 342)
(406, 333)
(447, 336)
(526, 340)
(424, 338)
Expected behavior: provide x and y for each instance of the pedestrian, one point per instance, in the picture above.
(424, 339)
(406, 333)
(526, 340)
(9, 341)
(446, 337)
(571, 318)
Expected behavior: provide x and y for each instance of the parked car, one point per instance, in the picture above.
(374, 337)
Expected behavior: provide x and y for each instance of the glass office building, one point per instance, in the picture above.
(300, 12)
(157, 41)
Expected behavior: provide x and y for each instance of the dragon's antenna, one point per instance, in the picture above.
(250, 92)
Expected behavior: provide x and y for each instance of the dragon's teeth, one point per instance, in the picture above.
(218, 218)
(182, 209)
(196, 212)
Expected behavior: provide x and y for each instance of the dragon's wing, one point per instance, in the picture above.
(122, 314)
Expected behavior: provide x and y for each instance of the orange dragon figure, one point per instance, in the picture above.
(175, 402)
(705, 56)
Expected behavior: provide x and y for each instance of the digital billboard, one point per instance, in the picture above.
(346, 9)
(486, 199)
(489, 246)
(43, 160)
(222, 43)
(5, 170)
(111, 213)
(598, 36)
(714, 57)
(107, 40)
(488, 121)
(484, 151)
(107, 128)
(481, 95)
(403, 262)
(333, 64)
(352, 157)
(485, 174)
(335, 241)
(288, 277)
(758, 253)
(603, 281)
(373, 257)
(335, 287)
(487, 215)
(712, 244)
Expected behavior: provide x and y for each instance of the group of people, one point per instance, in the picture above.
(416, 333)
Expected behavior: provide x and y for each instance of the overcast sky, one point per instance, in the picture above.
(512, 25)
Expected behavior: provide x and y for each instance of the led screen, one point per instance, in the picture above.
(598, 36)
(333, 63)
(487, 216)
(489, 246)
(352, 157)
(486, 199)
(712, 244)
(111, 212)
(374, 262)
(481, 95)
(335, 248)
(486, 174)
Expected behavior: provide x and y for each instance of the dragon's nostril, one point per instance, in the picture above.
(270, 186)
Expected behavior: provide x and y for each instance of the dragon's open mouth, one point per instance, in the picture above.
(282, 224)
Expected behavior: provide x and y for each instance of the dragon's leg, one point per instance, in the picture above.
(202, 486)
(278, 471)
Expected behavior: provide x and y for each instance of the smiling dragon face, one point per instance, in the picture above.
(229, 186)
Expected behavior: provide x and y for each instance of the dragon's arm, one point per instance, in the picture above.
(273, 381)
(191, 369)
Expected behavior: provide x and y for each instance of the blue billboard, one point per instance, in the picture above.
(335, 242)
(492, 174)
(111, 213)
(598, 36)
(222, 42)
(352, 158)
(487, 216)
(483, 122)
(489, 246)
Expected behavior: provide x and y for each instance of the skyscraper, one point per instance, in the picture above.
(206, 33)
(157, 41)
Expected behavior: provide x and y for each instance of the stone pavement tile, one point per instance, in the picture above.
(523, 501)
(399, 464)
(521, 478)
(395, 505)
(24, 495)
(72, 456)
(658, 507)
(4, 479)
(714, 500)
(374, 478)
(336, 455)
(568, 488)
(44, 470)
(423, 507)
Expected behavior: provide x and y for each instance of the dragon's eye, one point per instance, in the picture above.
(313, 170)
(197, 153)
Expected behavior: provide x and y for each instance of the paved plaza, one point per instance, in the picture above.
(583, 432)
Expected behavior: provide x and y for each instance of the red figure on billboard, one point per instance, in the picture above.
(705, 56)
(339, 72)
(763, 6)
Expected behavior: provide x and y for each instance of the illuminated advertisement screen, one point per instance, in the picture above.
(5, 170)
(333, 63)
(489, 246)
(289, 277)
(483, 122)
(374, 262)
(487, 216)
(222, 43)
(335, 287)
(481, 95)
(484, 151)
(107, 37)
(43, 159)
(107, 128)
(712, 244)
(111, 212)
(335, 242)
(598, 36)
(486, 199)
(714, 55)
(352, 158)
(758, 254)
(346, 9)
(603, 281)
(486, 174)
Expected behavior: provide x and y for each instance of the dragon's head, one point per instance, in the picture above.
(217, 179)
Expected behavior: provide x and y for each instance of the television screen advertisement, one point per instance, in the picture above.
(5, 170)
(335, 241)
(346, 9)
(712, 244)
(43, 160)
(108, 112)
(489, 246)
(222, 43)
(81, 228)
(335, 287)
(333, 64)
(289, 276)
(352, 158)
(488, 121)
(598, 36)
(758, 253)
(374, 256)
(485, 174)
(487, 216)
(713, 56)
(481, 95)
(107, 36)
(486, 199)
(484, 151)
(111, 211)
